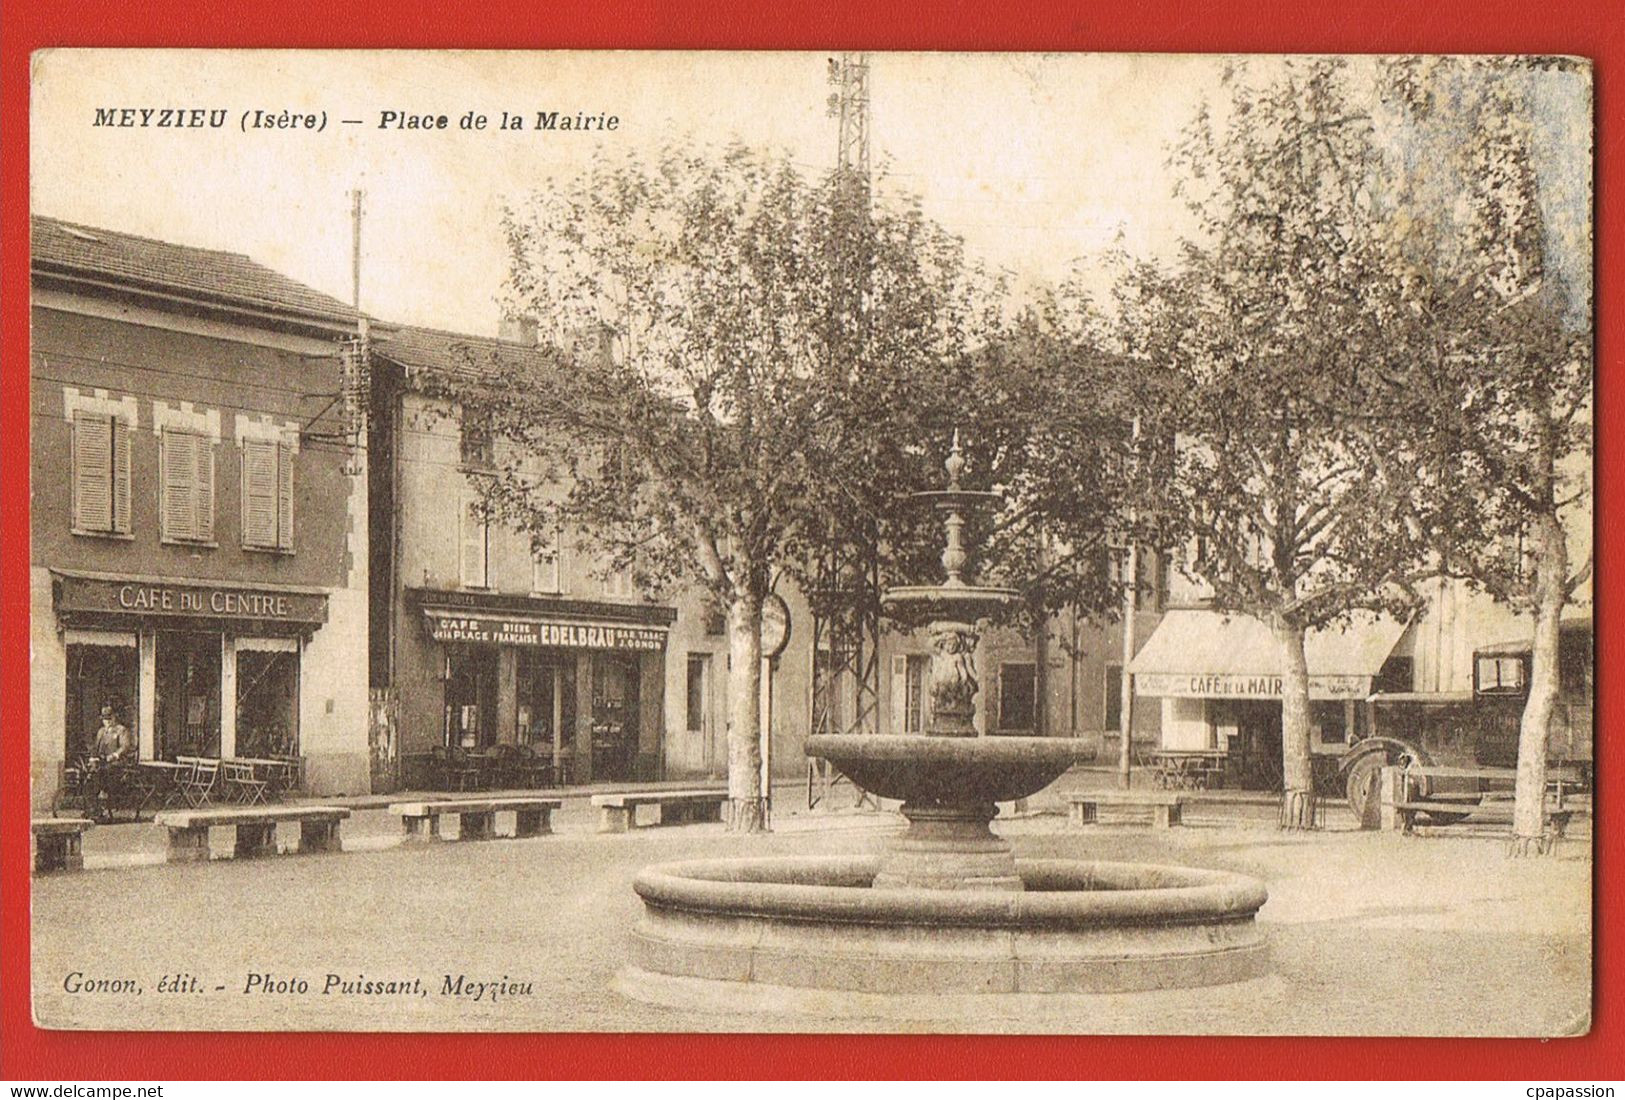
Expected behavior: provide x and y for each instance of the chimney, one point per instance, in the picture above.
(518, 330)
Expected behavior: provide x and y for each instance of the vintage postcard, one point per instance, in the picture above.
(823, 542)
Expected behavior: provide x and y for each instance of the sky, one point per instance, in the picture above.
(1041, 162)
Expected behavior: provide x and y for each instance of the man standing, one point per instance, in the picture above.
(115, 751)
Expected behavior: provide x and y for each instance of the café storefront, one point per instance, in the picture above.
(1216, 679)
(207, 669)
(580, 682)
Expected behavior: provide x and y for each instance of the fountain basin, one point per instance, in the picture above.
(817, 923)
(949, 770)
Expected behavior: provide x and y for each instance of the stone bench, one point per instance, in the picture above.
(1167, 807)
(619, 812)
(57, 843)
(420, 821)
(256, 830)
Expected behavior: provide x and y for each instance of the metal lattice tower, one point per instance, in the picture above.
(846, 608)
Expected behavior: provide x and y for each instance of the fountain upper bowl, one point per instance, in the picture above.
(949, 770)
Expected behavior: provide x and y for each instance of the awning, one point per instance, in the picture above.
(540, 630)
(1207, 654)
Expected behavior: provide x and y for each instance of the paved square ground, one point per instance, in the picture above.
(1370, 933)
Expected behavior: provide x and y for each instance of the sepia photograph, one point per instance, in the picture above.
(611, 541)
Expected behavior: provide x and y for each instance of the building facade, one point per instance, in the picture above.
(199, 529)
(479, 641)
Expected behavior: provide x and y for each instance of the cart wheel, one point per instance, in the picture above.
(1362, 790)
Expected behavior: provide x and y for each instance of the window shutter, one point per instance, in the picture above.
(284, 500)
(121, 476)
(899, 694)
(473, 549)
(259, 494)
(92, 471)
(179, 472)
(203, 489)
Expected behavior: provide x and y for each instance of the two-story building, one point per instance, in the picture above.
(479, 640)
(199, 527)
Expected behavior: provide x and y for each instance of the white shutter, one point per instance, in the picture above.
(284, 498)
(259, 494)
(121, 476)
(178, 471)
(92, 471)
(203, 489)
(899, 694)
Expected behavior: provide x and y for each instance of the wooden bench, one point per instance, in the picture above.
(1402, 801)
(256, 830)
(1167, 807)
(619, 812)
(57, 843)
(420, 821)
(1501, 813)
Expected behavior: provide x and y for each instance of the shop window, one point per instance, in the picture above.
(187, 699)
(102, 669)
(267, 495)
(1018, 696)
(1499, 675)
(475, 546)
(186, 487)
(267, 699)
(471, 696)
(101, 474)
(699, 691)
(1112, 700)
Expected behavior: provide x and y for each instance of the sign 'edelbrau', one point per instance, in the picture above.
(557, 635)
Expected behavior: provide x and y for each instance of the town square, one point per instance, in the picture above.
(872, 562)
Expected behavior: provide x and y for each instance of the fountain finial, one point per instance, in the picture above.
(955, 463)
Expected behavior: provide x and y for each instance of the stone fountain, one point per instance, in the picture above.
(946, 908)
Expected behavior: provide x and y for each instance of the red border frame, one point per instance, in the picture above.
(1592, 28)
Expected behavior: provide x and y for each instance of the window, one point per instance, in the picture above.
(475, 541)
(186, 487)
(478, 448)
(1500, 674)
(101, 474)
(699, 696)
(547, 568)
(1398, 674)
(186, 704)
(102, 669)
(916, 707)
(910, 687)
(619, 584)
(1018, 696)
(267, 495)
(1112, 711)
(267, 697)
(1574, 662)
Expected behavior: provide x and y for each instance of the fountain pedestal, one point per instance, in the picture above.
(948, 848)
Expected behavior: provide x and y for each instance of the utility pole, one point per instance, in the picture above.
(846, 615)
(1131, 592)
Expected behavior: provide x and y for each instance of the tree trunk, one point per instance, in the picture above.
(746, 806)
(1529, 794)
(1297, 776)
